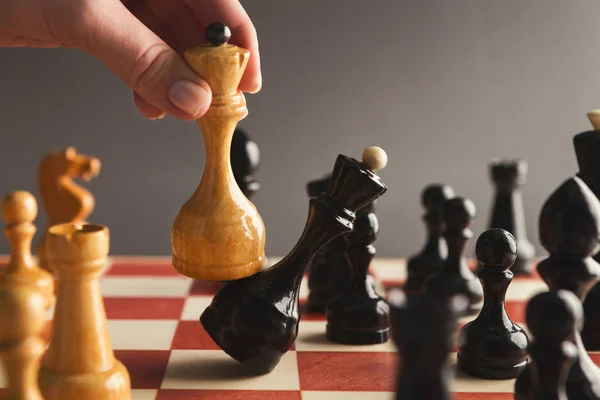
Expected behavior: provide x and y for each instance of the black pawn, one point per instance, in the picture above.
(329, 270)
(492, 346)
(245, 160)
(508, 177)
(587, 150)
(359, 315)
(553, 318)
(456, 278)
(433, 255)
(423, 330)
(569, 229)
(255, 319)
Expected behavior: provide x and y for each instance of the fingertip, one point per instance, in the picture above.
(191, 98)
(252, 80)
(147, 109)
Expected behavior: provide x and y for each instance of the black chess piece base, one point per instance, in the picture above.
(490, 371)
(242, 335)
(362, 319)
(348, 336)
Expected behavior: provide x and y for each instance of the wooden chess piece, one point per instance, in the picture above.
(63, 200)
(80, 363)
(432, 257)
(423, 328)
(508, 177)
(245, 160)
(21, 325)
(359, 315)
(492, 346)
(456, 277)
(553, 350)
(19, 210)
(255, 320)
(218, 233)
(329, 270)
(569, 228)
(587, 148)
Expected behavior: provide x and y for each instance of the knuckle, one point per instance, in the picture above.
(146, 71)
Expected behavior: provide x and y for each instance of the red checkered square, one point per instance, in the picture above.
(146, 367)
(143, 267)
(143, 308)
(170, 394)
(204, 287)
(360, 371)
(190, 335)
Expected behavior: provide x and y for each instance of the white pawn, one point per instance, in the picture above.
(21, 325)
(19, 210)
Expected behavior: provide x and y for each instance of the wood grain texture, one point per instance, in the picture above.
(218, 233)
(80, 363)
(21, 325)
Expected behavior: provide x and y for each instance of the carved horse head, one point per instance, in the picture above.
(63, 199)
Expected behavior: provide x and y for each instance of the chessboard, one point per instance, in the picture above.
(153, 322)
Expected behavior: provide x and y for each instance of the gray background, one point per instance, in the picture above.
(443, 86)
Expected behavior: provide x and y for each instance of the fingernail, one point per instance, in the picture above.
(188, 96)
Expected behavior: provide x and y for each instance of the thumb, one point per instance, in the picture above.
(143, 61)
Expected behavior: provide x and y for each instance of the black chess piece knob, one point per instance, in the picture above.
(432, 257)
(569, 229)
(553, 318)
(456, 278)
(359, 315)
(217, 33)
(492, 346)
(508, 177)
(255, 319)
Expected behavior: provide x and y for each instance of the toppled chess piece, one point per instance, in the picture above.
(492, 346)
(359, 315)
(255, 320)
(432, 257)
(329, 270)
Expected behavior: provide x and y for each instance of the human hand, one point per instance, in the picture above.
(139, 40)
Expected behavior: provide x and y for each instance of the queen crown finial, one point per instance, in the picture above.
(217, 33)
